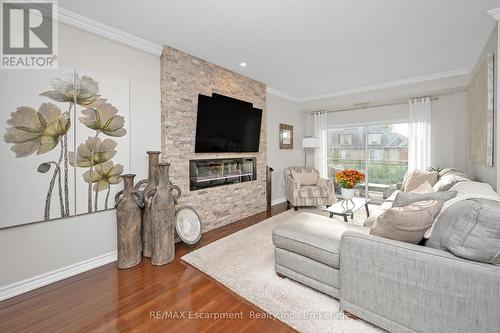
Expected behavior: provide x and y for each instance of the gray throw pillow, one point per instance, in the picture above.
(469, 229)
(447, 181)
(406, 198)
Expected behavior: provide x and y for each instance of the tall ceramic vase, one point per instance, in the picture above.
(163, 215)
(151, 183)
(128, 203)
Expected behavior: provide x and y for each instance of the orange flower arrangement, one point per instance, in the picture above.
(349, 178)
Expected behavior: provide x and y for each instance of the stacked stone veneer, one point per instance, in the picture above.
(183, 77)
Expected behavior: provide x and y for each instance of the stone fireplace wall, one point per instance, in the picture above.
(183, 77)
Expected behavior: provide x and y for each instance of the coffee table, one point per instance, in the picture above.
(346, 208)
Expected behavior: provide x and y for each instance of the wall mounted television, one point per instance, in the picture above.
(227, 125)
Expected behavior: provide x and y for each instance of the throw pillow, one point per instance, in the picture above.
(305, 178)
(451, 171)
(417, 178)
(469, 229)
(406, 198)
(424, 188)
(387, 204)
(408, 223)
(448, 181)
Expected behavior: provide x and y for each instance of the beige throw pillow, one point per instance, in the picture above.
(408, 223)
(417, 178)
(387, 204)
(305, 178)
(423, 188)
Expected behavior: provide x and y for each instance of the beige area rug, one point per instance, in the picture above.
(244, 262)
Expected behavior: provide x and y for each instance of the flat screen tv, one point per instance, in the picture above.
(226, 125)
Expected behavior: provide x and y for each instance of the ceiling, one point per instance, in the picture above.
(305, 49)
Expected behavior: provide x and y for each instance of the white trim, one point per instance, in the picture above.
(389, 84)
(495, 12)
(281, 94)
(377, 86)
(21, 287)
(99, 29)
(80, 22)
(85, 24)
(278, 201)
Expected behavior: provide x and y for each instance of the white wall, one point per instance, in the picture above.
(497, 123)
(479, 171)
(282, 111)
(449, 126)
(449, 131)
(31, 250)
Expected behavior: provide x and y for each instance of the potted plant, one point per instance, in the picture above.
(348, 179)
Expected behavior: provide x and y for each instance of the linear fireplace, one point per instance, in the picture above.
(223, 171)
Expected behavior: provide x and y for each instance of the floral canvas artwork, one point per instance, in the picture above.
(65, 144)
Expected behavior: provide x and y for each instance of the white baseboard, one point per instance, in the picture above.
(278, 201)
(21, 287)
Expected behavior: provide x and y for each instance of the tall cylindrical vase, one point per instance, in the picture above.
(163, 213)
(151, 183)
(128, 203)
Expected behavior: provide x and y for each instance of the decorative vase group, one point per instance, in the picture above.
(146, 218)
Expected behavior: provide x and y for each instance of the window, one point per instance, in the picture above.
(345, 154)
(375, 138)
(379, 151)
(346, 139)
(377, 154)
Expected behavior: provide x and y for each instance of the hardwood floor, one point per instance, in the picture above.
(145, 298)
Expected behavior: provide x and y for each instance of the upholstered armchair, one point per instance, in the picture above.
(304, 187)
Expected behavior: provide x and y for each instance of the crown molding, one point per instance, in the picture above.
(389, 84)
(378, 86)
(281, 94)
(99, 29)
(495, 12)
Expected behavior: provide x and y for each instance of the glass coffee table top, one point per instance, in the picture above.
(346, 208)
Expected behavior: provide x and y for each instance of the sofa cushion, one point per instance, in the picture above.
(305, 178)
(469, 229)
(418, 177)
(314, 236)
(307, 191)
(408, 223)
(477, 188)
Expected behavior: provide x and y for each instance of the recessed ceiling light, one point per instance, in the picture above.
(243, 64)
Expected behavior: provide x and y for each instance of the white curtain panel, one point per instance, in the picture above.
(419, 134)
(320, 154)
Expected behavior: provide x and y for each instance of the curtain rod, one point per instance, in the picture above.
(369, 106)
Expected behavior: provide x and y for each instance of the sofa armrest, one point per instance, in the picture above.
(401, 286)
